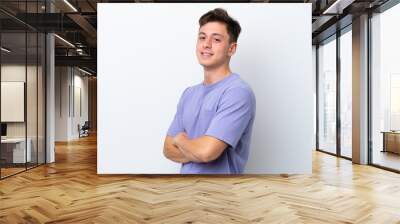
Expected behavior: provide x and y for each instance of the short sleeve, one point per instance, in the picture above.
(234, 113)
(177, 124)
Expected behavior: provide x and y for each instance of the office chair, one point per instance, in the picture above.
(84, 130)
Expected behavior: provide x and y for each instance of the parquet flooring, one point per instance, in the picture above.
(10, 171)
(70, 191)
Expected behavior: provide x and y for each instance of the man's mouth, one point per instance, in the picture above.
(207, 54)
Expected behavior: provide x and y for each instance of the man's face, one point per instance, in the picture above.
(213, 47)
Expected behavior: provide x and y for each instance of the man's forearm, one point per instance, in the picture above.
(202, 149)
(192, 149)
(186, 149)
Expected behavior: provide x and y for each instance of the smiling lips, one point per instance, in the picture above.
(206, 54)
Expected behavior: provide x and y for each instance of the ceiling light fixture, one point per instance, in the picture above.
(84, 71)
(64, 40)
(338, 6)
(70, 5)
(5, 50)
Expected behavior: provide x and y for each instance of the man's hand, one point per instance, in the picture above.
(172, 152)
(182, 136)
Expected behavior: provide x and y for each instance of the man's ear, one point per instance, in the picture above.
(232, 49)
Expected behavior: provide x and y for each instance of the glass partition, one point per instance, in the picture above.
(22, 77)
(41, 111)
(13, 109)
(31, 100)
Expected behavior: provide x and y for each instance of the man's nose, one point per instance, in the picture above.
(207, 43)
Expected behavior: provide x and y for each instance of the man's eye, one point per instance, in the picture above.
(202, 38)
(218, 40)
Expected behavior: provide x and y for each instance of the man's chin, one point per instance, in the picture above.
(207, 65)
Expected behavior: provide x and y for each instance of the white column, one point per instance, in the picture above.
(50, 92)
(360, 90)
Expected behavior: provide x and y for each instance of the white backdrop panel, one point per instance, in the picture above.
(146, 58)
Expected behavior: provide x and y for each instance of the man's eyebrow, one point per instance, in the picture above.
(213, 34)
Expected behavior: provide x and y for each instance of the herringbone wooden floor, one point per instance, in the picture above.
(70, 191)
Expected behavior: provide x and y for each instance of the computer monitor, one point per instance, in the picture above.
(3, 129)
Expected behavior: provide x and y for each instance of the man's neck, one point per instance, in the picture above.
(212, 76)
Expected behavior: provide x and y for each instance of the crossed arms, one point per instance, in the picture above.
(228, 124)
(204, 149)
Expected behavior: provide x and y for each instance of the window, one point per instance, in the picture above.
(385, 88)
(346, 93)
(327, 97)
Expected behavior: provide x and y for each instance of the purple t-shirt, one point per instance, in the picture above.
(224, 110)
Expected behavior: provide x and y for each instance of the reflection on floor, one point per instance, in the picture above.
(10, 169)
(386, 159)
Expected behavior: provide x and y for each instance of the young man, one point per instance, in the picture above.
(211, 130)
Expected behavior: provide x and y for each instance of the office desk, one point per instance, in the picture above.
(391, 141)
(15, 148)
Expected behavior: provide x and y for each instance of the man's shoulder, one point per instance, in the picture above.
(191, 89)
(240, 86)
